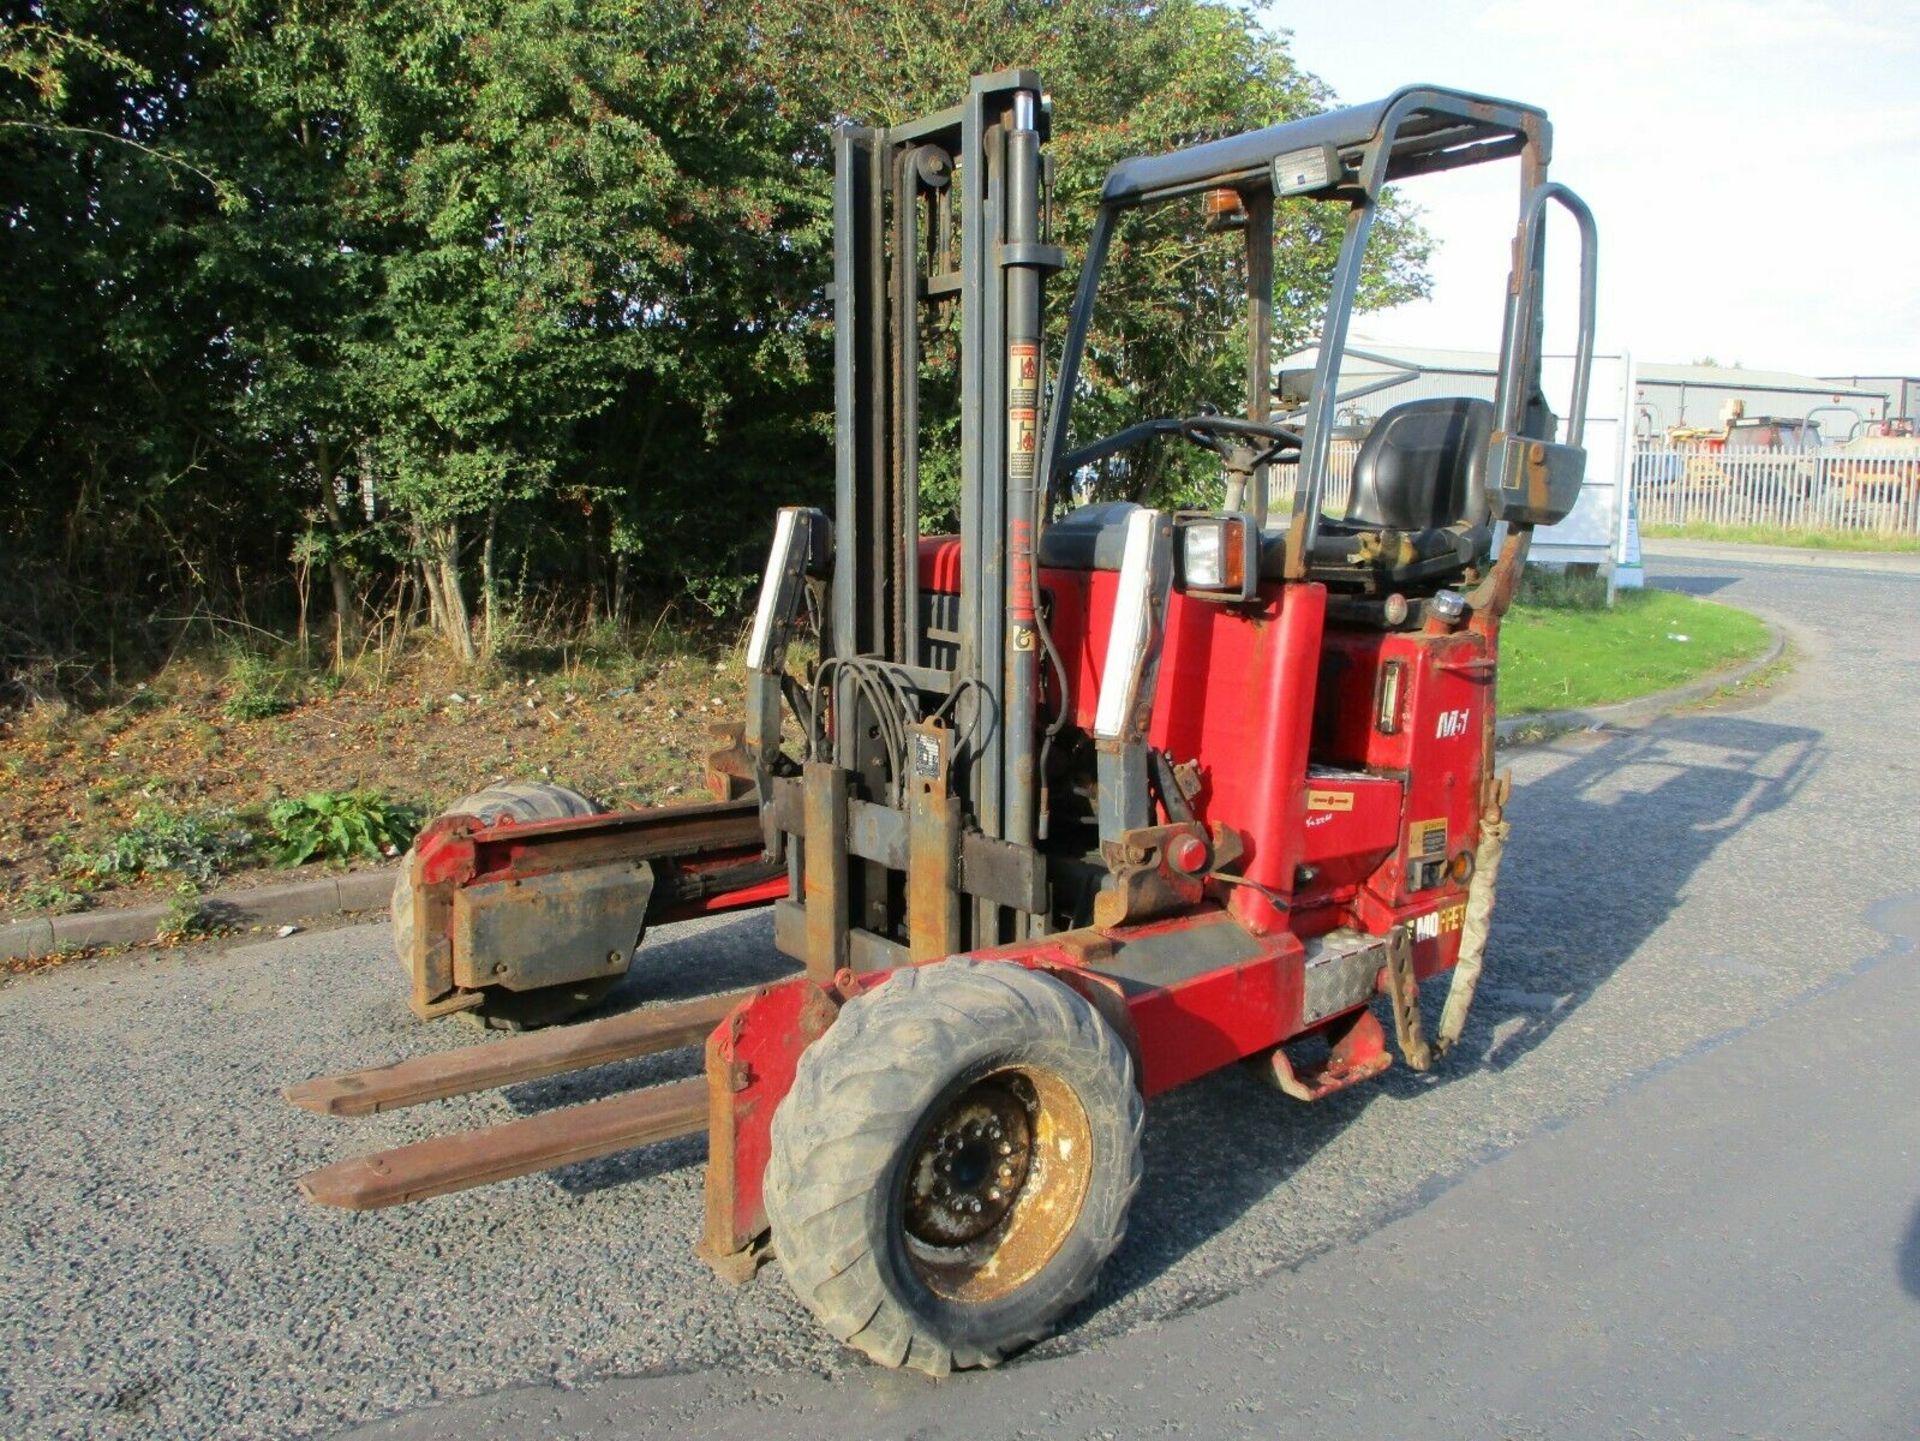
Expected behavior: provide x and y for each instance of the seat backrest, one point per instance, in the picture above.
(1423, 466)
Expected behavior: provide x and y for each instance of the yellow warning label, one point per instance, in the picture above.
(1329, 800)
(1427, 840)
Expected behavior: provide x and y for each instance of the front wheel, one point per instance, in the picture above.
(954, 1163)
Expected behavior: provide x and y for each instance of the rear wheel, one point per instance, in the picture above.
(954, 1163)
(509, 1010)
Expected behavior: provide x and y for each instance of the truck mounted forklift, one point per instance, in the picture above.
(1083, 802)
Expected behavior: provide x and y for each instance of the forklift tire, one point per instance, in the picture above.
(509, 1010)
(954, 1163)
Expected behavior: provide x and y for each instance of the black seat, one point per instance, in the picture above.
(1418, 516)
(1421, 475)
(1423, 466)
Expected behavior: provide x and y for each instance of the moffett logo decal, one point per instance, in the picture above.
(1452, 723)
(1434, 924)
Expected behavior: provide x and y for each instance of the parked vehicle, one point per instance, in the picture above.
(1087, 801)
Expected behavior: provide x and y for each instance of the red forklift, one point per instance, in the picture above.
(1073, 806)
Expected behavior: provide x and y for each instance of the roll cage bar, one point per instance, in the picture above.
(1350, 154)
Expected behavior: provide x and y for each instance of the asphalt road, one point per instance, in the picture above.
(1666, 1186)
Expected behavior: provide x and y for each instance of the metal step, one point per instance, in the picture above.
(523, 1058)
(538, 1143)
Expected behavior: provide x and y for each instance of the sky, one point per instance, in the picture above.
(1754, 167)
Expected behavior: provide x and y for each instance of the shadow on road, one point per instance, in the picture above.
(675, 963)
(1697, 584)
(1603, 850)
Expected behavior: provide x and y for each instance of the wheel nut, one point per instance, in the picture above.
(1006, 1148)
(1006, 1173)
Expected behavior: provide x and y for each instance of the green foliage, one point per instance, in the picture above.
(1559, 657)
(1126, 79)
(338, 826)
(159, 841)
(57, 895)
(257, 690)
(184, 919)
(303, 309)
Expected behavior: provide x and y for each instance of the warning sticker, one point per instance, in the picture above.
(1022, 443)
(1329, 800)
(1023, 375)
(1427, 841)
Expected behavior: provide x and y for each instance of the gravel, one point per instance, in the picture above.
(159, 1276)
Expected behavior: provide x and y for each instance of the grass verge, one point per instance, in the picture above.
(219, 769)
(1565, 656)
(1789, 539)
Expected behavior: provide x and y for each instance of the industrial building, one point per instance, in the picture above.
(1902, 392)
(1664, 396)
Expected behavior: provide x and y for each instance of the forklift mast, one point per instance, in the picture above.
(941, 212)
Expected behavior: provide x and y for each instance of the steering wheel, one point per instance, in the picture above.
(1207, 429)
(1218, 433)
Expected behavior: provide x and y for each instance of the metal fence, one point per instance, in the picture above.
(1282, 478)
(1835, 491)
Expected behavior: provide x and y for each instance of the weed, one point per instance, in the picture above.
(157, 841)
(257, 690)
(339, 825)
(255, 705)
(184, 919)
(57, 896)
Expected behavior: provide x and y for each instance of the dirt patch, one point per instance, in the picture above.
(188, 751)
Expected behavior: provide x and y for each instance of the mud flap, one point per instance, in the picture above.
(751, 1060)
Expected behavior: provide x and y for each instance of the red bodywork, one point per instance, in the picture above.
(1352, 812)
(704, 859)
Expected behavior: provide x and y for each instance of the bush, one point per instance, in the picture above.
(339, 825)
(256, 690)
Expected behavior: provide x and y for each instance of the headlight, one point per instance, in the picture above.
(1216, 555)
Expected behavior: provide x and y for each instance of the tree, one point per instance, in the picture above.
(106, 354)
(1126, 79)
(541, 280)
